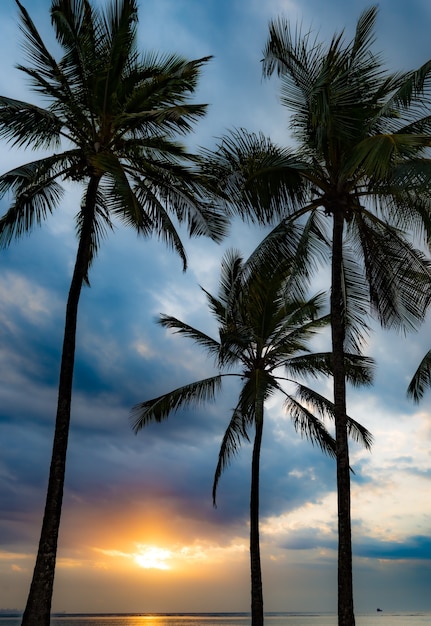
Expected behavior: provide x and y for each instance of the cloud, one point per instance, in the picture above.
(416, 547)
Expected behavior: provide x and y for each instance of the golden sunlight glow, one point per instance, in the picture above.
(151, 557)
(175, 557)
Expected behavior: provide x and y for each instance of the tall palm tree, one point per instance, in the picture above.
(113, 117)
(359, 175)
(262, 330)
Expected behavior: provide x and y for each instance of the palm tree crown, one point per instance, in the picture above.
(112, 116)
(262, 331)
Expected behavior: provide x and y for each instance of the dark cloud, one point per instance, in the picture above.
(417, 547)
(310, 539)
(412, 548)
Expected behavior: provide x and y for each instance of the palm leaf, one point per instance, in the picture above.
(394, 270)
(259, 181)
(100, 226)
(364, 36)
(230, 275)
(122, 200)
(158, 409)
(296, 245)
(119, 41)
(229, 447)
(36, 193)
(309, 426)
(34, 47)
(421, 379)
(411, 91)
(326, 408)
(24, 124)
(163, 186)
(202, 339)
(154, 211)
(161, 101)
(356, 301)
(376, 156)
(359, 369)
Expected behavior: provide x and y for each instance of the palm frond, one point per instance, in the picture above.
(254, 178)
(231, 270)
(410, 179)
(153, 212)
(229, 447)
(311, 365)
(160, 99)
(303, 317)
(163, 187)
(26, 125)
(359, 433)
(411, 93)
(364, 35)
(421, 379)
(309, 426)
(394, 270)
(36, 194)
(356, 301)
(119, 41)
(158, 409)
(292, 55)
(34, 47)
(325, 408)
(377, 155)
(200, 338)
(76, 24)
(122, 199)
(216, 307)
(296, 245)
(359, 369)
(100, 226)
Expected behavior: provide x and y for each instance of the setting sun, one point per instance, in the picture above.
(152, 557)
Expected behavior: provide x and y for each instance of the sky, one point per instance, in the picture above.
(139, 532)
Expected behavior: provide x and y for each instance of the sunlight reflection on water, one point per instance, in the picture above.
(230, 619)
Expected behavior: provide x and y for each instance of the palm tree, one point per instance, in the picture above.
(359, 176)
(113, 118)
(262, 330)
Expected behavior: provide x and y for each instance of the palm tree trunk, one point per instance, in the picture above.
(346, 615)
(256, 571)
(38, 607)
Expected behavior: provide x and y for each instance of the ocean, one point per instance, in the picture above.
(228, 619)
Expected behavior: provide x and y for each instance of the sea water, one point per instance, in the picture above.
(229, 619)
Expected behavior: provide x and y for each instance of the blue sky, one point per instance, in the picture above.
(128, 494)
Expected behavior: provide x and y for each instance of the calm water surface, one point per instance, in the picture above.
(231, 619)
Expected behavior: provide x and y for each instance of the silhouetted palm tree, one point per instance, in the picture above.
(360, 175)
(112, 119)
(262, 331)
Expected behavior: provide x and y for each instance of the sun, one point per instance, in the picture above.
(152, 557)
